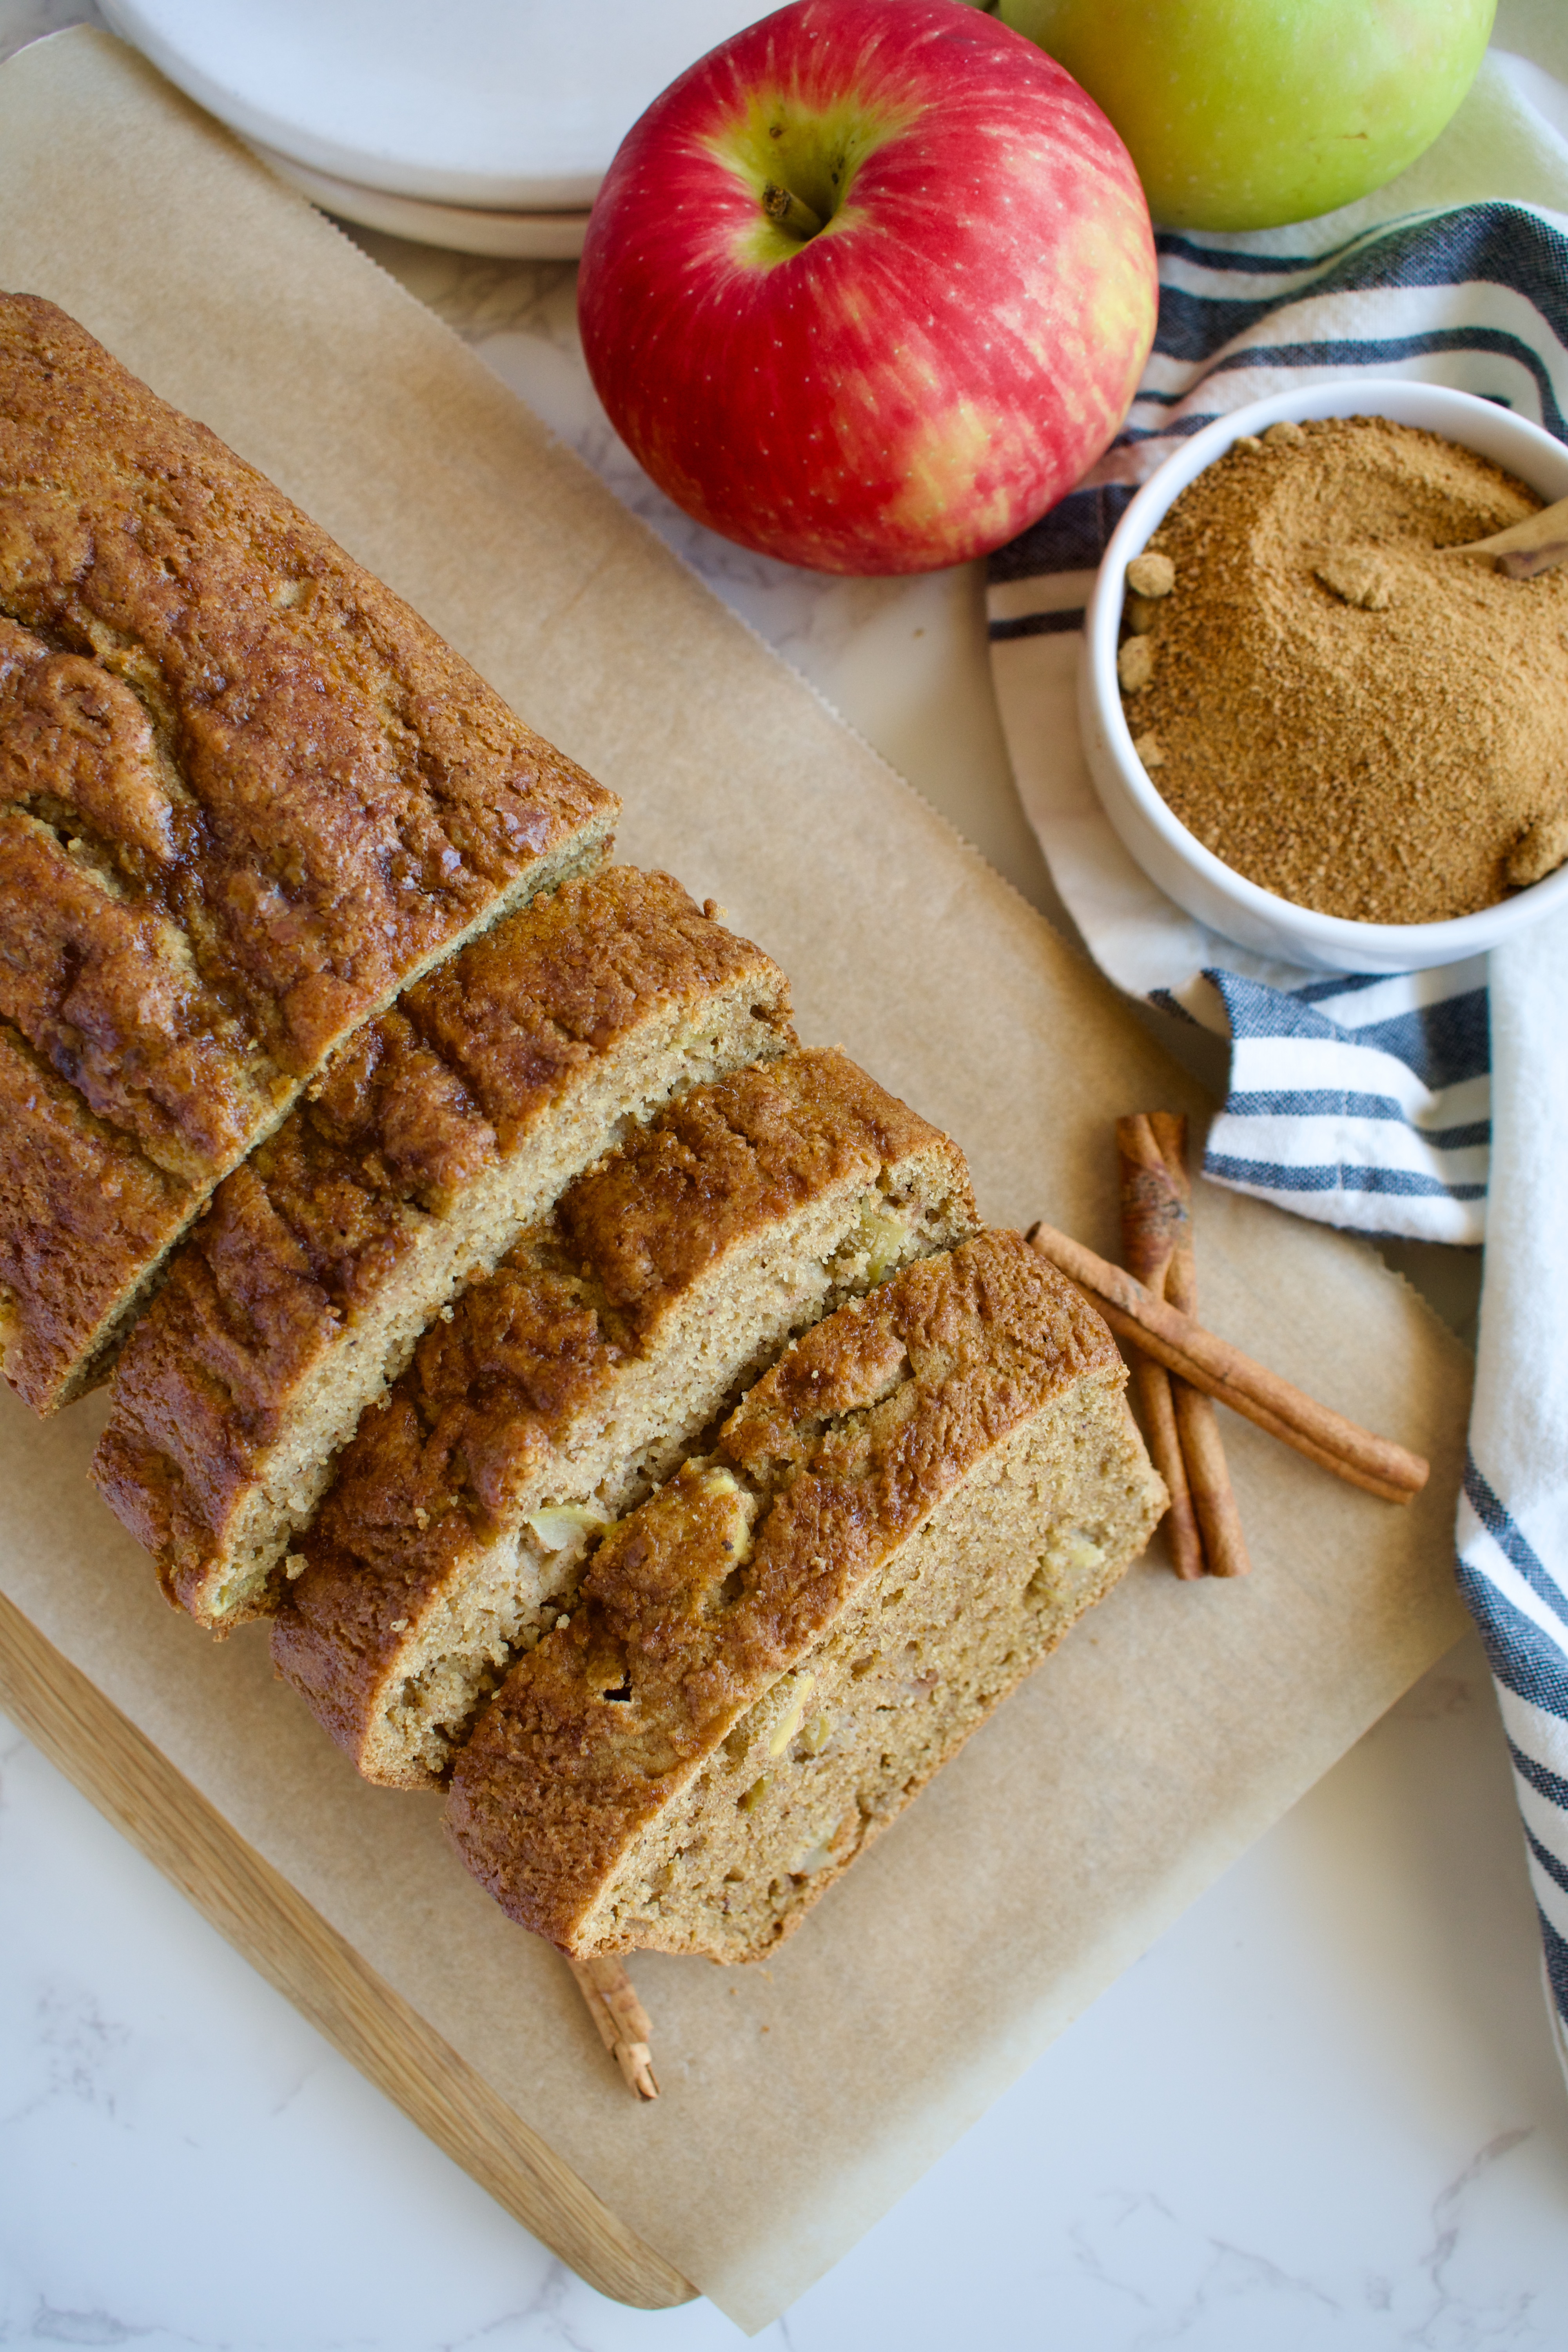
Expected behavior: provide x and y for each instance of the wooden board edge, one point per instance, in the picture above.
(254, 1906)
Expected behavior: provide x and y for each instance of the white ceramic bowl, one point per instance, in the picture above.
(1171, 856)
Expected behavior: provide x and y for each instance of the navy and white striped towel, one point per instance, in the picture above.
(1362, 1100)
(1368, 1102)
(1513, 1520)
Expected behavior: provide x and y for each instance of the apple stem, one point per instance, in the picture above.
(790, 210)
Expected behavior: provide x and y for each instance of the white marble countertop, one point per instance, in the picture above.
(1323, 2114)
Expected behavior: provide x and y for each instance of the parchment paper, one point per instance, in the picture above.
(801, 2099)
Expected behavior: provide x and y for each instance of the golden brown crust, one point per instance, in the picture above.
(742, 1153)
(75, 1196)
(245, 792)
(859, 1430)
(425, 1482)
(96, 974)
(416, 1108)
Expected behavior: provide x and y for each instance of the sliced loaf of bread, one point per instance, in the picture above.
(245, 795)
(769, 1658)
(439, 1131)
(565, 1386)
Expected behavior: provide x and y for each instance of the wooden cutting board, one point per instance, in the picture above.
(1167, 1733)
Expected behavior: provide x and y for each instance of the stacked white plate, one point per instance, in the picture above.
(486, 125)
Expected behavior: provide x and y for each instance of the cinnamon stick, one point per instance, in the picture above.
(1197, 1424)
(1148, 1238)
(1250, 1388)
(622, 2022)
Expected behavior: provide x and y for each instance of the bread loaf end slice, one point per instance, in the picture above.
(439, 1132)
(769, 1658)
(567, 1386)
(246, 797)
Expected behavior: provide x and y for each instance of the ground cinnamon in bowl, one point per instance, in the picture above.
(1342, 713)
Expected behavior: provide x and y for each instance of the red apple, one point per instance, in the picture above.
(870, 286)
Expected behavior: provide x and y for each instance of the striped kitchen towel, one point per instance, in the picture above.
(1420, 1105)
(1360, 1102)
(1513, 1520)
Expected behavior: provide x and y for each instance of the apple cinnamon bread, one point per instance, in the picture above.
(768, 1659)
(245, 795)
(438, 1132)
(565, 1388)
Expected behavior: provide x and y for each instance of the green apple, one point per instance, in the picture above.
(1245, 113)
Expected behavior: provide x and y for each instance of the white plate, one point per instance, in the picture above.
(506, 236)
(509, 105)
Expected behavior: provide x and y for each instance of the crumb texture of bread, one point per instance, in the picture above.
(772, 1656)
(562, 1390)
(245, 794)
(439, 1132)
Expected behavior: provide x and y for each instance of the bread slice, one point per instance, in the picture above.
(768, 1659)
(245, 794)
(565, 1388)
(440, 1131)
